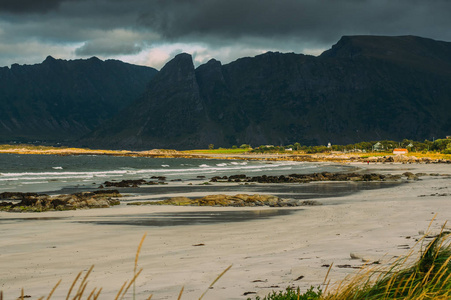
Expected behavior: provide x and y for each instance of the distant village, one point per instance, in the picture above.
(386, 146)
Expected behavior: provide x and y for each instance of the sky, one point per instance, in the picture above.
(151, 32)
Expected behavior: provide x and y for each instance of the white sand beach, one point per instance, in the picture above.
(38, 249)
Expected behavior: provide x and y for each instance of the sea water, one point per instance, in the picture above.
(44, 173)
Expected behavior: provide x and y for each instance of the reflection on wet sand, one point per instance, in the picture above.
(190, 218)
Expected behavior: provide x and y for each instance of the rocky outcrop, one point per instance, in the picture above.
(304, 178)
(239, 200)
(42, 202)
(133, 182)
(400, 159)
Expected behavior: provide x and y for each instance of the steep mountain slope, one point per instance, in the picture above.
(364, 88)
(62, 100)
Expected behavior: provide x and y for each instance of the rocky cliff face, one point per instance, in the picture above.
(364, 88)
(59, 101)
(170, 110)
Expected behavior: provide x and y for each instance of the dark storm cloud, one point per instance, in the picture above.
(322, 21)
(224, 29)
(27, 6)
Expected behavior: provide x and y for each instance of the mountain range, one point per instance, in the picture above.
(363, 88)
(60, 101)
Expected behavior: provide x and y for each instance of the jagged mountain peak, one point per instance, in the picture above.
(49, 59)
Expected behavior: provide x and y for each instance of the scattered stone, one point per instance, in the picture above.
(310, 203)
(299, 278)
(403, 247)
(347, 267)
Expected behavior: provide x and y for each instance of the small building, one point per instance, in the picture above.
(378, 147)
(400, 151)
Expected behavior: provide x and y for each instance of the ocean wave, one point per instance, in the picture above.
(62, 173)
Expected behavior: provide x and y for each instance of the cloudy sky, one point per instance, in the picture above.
(150, 32)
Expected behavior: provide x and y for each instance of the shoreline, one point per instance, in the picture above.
(374, 157)
(267, 254)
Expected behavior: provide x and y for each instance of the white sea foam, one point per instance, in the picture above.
(239, 163)
(58, 177)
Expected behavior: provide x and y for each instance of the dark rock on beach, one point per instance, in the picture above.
(239, 200)
(17, 195)
(304, 178)
(125, 183)
(133, 182)
(41, 202)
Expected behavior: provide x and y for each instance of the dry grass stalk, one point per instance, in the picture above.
(214, 281)
(98, 294)
(72, 286)
(180, 294)
(131, 282)
(136, 262)
(92, 294)
(53, 290)
(83, 284)
(120, 291)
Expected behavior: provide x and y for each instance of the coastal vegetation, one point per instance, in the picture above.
(382, 147)
(429, 277)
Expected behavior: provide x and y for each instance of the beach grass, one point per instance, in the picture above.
(428, 277)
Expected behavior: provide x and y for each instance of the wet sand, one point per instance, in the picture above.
(269, 248)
